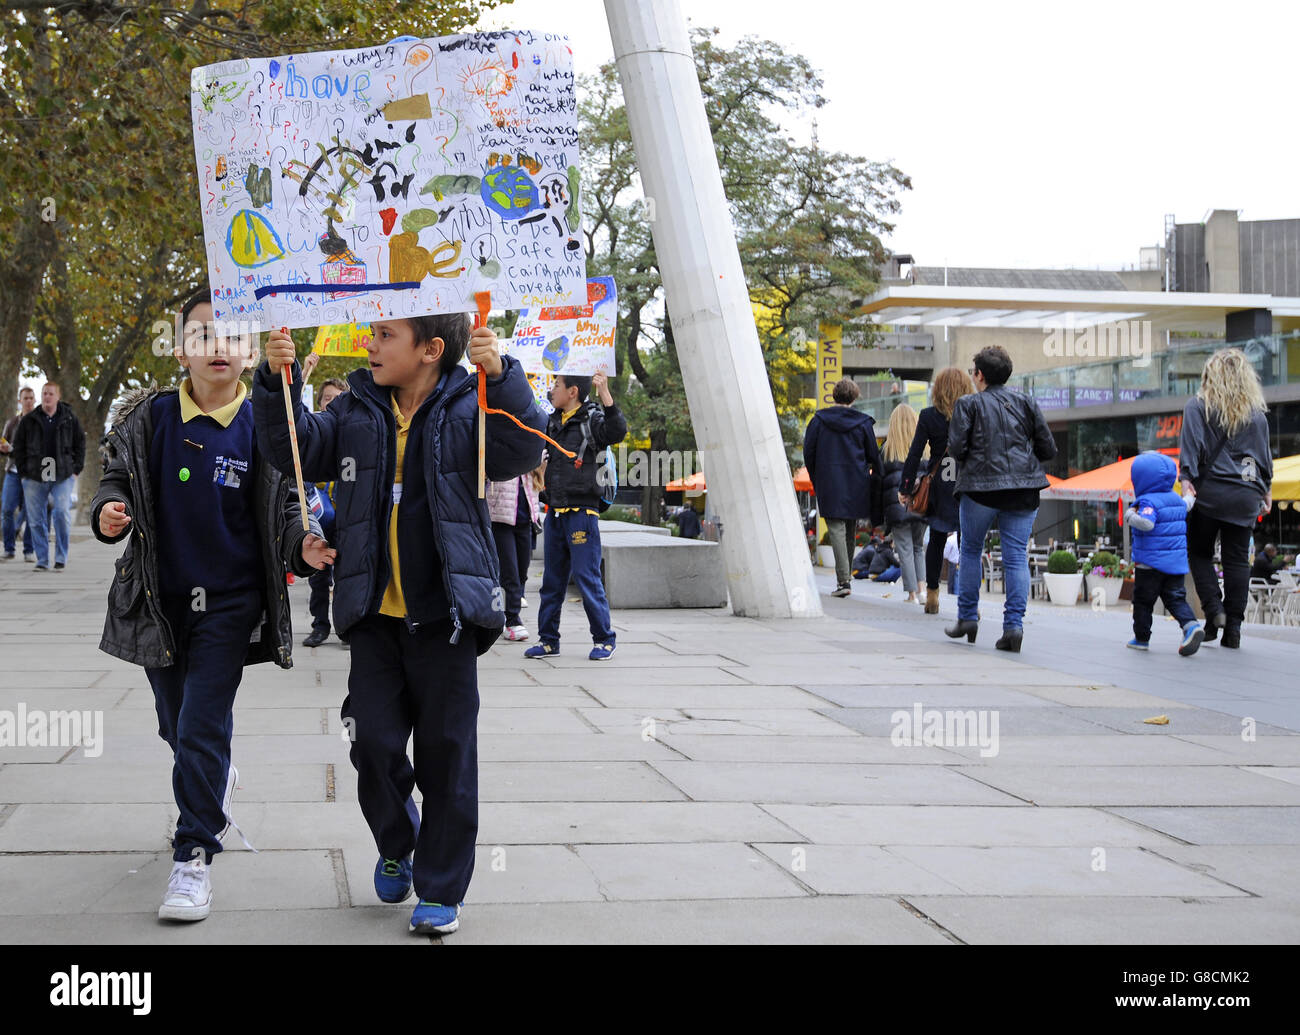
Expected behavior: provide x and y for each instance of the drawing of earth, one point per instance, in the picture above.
(556, 352)
(509, 191)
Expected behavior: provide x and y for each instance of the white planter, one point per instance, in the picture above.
(1063, 590)
(826, 556)
(1111, 586)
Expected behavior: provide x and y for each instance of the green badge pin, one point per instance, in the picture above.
(185, 474)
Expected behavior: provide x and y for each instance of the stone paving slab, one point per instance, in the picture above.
(828, 783)
(1068, 920)
(959, 825)
(686, 871)
(1238, 825)
(801, 750)
(1139, 785)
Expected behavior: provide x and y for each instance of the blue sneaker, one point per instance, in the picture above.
(1193, 634)
(601, 652)
(1137, 644)
(542, 650)
(393, 879)
(435, 918)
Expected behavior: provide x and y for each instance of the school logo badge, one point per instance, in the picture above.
(228, 471)
(579, 538)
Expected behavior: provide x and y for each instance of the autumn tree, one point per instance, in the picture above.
(808, 224)
(98, 191)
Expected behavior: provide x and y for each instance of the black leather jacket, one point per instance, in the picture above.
(999, 438)
(135, 628)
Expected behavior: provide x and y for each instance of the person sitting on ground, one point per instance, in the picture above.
(883, 562)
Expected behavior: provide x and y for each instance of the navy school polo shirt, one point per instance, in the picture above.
(202, 467)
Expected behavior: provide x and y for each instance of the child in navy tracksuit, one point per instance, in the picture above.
(199, 591)
(320, 499)
(417, 586)
(1158, 521)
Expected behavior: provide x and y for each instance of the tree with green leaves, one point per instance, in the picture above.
(808, 224)
(98, 191)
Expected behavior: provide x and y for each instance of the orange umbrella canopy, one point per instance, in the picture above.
(691, 483)
(1103, 485)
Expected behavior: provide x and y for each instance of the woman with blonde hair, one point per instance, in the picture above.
(1226, 468)
(930, 439)
(906, 526)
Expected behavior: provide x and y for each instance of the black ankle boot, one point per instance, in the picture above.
(1231, 636)
(1010, 640)
(963, 628)
(1213, 623)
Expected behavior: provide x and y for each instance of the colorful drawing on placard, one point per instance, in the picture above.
(251, 241)
(574, 339)
(391, 181)
(344, 339)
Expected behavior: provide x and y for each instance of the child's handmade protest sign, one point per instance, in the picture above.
(399, 180)
(572, 339)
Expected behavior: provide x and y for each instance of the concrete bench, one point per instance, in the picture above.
(642, 569)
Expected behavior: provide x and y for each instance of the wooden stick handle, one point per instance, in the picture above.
(484, 300)
(286, 379)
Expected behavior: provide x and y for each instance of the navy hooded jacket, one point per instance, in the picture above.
(353, 443)
(843, 461)
(1158, 517)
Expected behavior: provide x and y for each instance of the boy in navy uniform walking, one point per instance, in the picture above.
(417, 589)
(200, 589)
(320, 499)
(573, 500)
(1158, 520)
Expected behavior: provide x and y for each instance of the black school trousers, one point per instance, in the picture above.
(405, 682)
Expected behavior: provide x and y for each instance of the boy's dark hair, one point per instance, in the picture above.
(581, 383)
(994, 363)
(200, 296)
(845, 392)
(333, 382)
(452, 328)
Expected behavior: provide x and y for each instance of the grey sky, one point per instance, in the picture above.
(1036, 134)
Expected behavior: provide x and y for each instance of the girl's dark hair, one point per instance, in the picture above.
(452, 328)
(200, 296)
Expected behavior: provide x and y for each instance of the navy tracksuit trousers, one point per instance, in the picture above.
(195, 700)
(403, 682)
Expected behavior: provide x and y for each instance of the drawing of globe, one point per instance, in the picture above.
(251, 241)
(509, 191)
(556, 352)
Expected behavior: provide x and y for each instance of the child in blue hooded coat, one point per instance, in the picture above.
(1158, 520)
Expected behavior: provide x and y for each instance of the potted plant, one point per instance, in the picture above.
(825, 552)
(1063, 578)
(1107, 571)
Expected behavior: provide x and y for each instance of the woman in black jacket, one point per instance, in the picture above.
(999, 439)
(931, 436)
(1227, 471)
(906, 526)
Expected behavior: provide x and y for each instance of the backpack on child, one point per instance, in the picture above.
(607, 476)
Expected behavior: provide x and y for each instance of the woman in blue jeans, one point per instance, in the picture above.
(999, 439)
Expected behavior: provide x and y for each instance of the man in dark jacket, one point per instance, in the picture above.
(688, 522)
(999, 438)
(49, 449)
(573, 499)
(843, 461)
(1265, 566)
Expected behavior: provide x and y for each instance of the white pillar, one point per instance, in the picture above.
(769, 573)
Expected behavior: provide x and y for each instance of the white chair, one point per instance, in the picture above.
(1290, 612)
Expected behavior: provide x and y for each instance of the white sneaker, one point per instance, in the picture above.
(189, 892)
(523, 602)
(517, 632)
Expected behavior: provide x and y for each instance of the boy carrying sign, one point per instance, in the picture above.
(417, 591)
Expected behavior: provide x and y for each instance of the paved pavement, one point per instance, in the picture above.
(721, 779)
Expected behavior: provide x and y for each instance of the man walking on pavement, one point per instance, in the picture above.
(49, 449)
